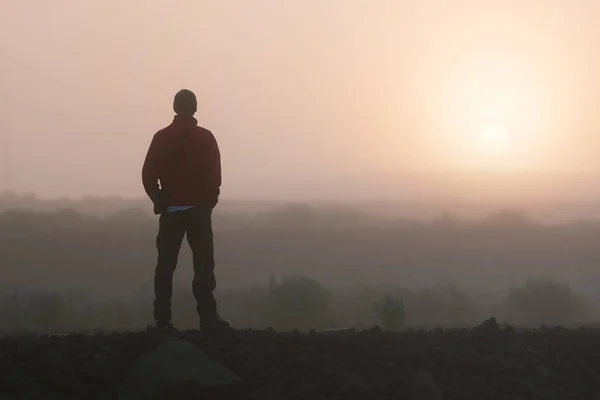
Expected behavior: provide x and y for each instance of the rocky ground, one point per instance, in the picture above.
(487, 362)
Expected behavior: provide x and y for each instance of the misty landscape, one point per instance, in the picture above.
(85, 267)
(398, 200)
(88, 267)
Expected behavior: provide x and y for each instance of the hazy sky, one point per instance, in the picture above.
(298, 93)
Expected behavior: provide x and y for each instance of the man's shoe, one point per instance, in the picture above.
(214, 323)
(164, 326)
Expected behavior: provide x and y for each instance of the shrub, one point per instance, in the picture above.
(391, 313)
(299, 302)
(547, 302)
(440, 305)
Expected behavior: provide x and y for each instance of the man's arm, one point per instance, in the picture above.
(150, 170)
(215, 168)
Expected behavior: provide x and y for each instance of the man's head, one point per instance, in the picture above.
(185, 103)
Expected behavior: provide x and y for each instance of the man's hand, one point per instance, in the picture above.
(216, 198)
(157, 198)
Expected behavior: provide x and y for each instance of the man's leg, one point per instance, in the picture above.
(168, 243)
(200, 238)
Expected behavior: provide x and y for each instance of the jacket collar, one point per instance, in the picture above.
(184, 121)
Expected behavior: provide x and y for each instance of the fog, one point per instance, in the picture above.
(84, 265)
(446, 149)
(308, 100)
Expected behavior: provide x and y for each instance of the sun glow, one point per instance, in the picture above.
(489, 114)
(495, 142)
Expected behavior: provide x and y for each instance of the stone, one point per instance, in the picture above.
(424, 387)
(175, 362)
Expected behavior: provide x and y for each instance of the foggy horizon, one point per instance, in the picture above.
(352, 101)
(500, 188)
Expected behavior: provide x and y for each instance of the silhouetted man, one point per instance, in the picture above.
(185, 159)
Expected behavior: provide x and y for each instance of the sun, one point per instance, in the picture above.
(495, 141)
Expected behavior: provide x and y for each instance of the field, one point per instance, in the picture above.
(486, 362)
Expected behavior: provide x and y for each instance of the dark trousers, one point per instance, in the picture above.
(197, 224)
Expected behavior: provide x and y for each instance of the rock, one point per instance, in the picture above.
(423, 386)
(175, 362)
(489, 325)
(273, 391)
(376, 330)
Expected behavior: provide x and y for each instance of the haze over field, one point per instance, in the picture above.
(389, 168)
(447, 149)
(473, 99)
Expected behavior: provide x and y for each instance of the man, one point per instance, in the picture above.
(185, 159)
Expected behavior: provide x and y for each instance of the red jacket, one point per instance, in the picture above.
(185, 159)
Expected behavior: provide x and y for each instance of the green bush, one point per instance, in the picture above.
(546, 302)
(297, 303)
(391, 313)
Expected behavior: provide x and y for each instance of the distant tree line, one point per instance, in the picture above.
(299, 303)
(337, 247)
(102, 259)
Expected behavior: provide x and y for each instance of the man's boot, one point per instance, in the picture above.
(164, 326)
(215, 322)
